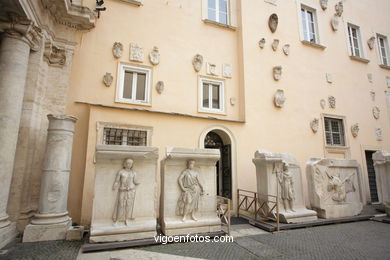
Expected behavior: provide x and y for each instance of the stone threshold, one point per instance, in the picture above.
(93, 247)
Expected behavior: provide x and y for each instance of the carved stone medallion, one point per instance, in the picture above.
(197, 62)
(275, 44)
(136, 52)
(355, 130)
(324, 4)
(211, 69)
(154, 56)
(262, 43)
(339, 7)
(160, 87)
(279, 98)
(277, 72)
(273, 22)
(286, 49)
(227, 70)
(371, 42)
(376, 112)
(322, 103)
(107, 79)
(378, 133)
(335, 22)
(332, 101)
(314, 125)
(117, 49)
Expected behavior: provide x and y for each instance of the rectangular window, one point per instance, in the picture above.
(134, 84)
(383, 49)
(212, 96)
(354, 40)
(309, 24)
(218, 11)
(119, 136)
(334, 131)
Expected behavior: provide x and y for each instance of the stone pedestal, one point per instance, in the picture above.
(335, 187)
(178, 175)
(131, 191)
(382, 174)
(52, 221)
(272, 179)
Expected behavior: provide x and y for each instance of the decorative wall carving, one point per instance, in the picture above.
(191, 190)
(322, 103)
(329, 77)
(211, 69)
(285, 179)
(279, 98)
(54, 55)
(286, 49)
(332, 101)
(378, 133)
(233, 101)
(160, 87)
(339, 7)
(262, 43)
(369, 77)
(275, 44)
(154, 56)
(107, 79)
(126, 182)
(277, 72)
(371, 42)
(314, 125)
(136, 52)
(335, 22)
(273, 22)
(355, 130)
(117, 49)
(227, 70)
(376, 112)
(197, 62)
(324, 4)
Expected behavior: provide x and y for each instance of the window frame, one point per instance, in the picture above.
(301, 4)
(217, 12)
(341, 131)
(385, 47)
(331, 150)
(210, 81)
(122, 67)
(306, 37)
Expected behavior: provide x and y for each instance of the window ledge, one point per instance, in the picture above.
(230, 27)
(129, 102)
(216, 112)
(315, 45)
(359, 59)
(336, 147)
(384, 67)
(133, 2)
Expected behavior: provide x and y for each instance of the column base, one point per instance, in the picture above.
(35, 233)
(7, 234)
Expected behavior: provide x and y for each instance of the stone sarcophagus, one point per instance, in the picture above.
(334, 187)
(382, 174)
(125, 200)
(188, 191)
(280, 174)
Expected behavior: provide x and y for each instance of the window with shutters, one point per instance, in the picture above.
(334, 131)
(355, 41)
(383, 49)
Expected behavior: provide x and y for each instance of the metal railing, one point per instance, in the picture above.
(224, 211)
(259, 207)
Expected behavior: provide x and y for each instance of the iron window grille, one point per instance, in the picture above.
(334, 132)
(118, 136)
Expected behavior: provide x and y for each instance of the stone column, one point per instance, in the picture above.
(18, 38)
(52, 221)
(382, 174)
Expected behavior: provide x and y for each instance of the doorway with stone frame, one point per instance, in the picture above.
(371, 176)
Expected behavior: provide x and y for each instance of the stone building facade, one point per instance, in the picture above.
(307, 77)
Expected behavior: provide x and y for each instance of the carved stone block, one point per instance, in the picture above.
(211, 69)
(262, 43)
(322, 103)
(314, 125)
(324, 4)
(277, 72)
(339, 8)
(273, 22)
(286, 49)
(136, 53)
(197, 62)
(335, 22)
(378, 133)
(335, 187)
(332, 101)
(227, 70)
(189, 191)
(275, 44)
(355, 130)
(54, 54)
(371, 42)
(107, 79)
(376, 112)
(154, 56)
(279, 98)
(329, 77)
(117, 49)
(233, 101)
(382, 173)
(280, 174)
(125, 193)
(160, 87)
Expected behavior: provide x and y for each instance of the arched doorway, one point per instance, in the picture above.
(214, 140)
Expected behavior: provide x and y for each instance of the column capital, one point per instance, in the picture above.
(22, 28)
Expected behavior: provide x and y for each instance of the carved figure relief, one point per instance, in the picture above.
(54, 55)
(117, 49)
(273, 22)
(275, 44)
(322, 103)
(332, 101)
(376, 112)
(279, 98)
(277, 72)
(335, 22)
(378, 133)
(285, 179)
(371, 42)
(107, 79)
(227, 70)
(329, 77)
(339, 7)
(286, 49)
(314, 124)
(154, 56)
(191, 191)
(324, 4)
(211, 69)
(262, 43)
(126, 182)
(197, 62)
(355, 130)
(136, 52)
(160, 87)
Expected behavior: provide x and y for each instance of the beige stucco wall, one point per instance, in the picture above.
(177, 29)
